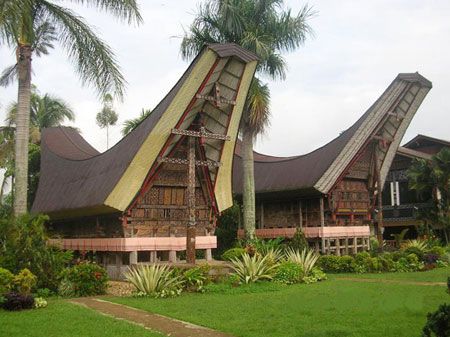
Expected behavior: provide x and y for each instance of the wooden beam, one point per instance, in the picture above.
(182, 161)
(200, 134)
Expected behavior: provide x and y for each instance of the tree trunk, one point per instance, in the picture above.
(22, 129)
(248, 190)
(107, 137)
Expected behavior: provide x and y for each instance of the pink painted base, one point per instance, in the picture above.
(312, 232)
(134, 244)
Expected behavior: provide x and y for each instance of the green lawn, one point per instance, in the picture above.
(331, 308)
(62, 319)
(435, 275)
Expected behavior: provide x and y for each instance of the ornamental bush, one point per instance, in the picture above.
(337, 264)
(195, 279)
(24, 282)
(438, 322)
(288, 273)
(24, 244)
(6, 278)
(83, 279)
(233, 253)
(14, 301)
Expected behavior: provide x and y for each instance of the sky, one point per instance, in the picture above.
(357, 49)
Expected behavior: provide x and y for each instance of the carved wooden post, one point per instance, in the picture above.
(190, 237)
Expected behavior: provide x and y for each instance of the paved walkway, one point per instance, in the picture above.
(165, 325)
(376, 280)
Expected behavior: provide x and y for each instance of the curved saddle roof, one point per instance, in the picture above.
(319, 169)
(78, 180)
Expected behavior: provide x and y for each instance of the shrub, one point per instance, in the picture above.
(154, 280)
(195, 279)
(84, 279)
(417, 247)
(274, 256)
(298, 241)
(6, 278)
(288, 273)
(430, 258)
(336, 264)
(438, 322)
(44, 292)
(233, 253)
(253, 268)
(306, 259)
(25, 245)
(39, 302)
(316, 275)
(436, 250)
(24, 281)
(14, 301)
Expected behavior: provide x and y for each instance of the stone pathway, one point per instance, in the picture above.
(165, 325)
(373, 280)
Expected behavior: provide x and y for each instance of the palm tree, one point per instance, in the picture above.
(130, 124)
(46, 111)
(94, 60)
(107, 116)
(432, 178)
(267, 29)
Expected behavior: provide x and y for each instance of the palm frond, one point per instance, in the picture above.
(94, 60)
(127, 10)
(257, 112)
(9, 75)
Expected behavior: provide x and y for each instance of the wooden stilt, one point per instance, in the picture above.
(190, 237)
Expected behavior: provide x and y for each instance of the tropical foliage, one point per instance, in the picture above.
(83, 279)
(154, 280)
(254, 268)
(267, 29)
(30, 27)
(131, 124)
(306, 259)
(24, 244)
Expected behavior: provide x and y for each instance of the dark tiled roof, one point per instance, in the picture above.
(282, 174)
(75, 176)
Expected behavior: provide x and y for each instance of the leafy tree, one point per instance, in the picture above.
(24, 244)
(266, 28)
(20, 24)
(107, 116)
(433, 178)
(130, 124)
(46, 111)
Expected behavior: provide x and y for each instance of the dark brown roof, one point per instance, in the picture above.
(75, 176)
(282, 174)
(419, 139)
(232, 49)
(410, 153)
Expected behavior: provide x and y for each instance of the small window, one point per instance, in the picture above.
(144, 256)
(166, 213)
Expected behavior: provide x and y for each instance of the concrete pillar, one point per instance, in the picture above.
(338, 247)
(118, 265)
(153, 257)
(208, 252)
(133, 258)
(355, 245)
(172, 253)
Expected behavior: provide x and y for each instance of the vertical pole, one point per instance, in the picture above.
(380, 201)
(190, 237)
(262, 215)
(300, 213)
(322, 222)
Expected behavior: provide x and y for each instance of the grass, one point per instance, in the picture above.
(331, 308)
(63, 319)
(435, 275)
